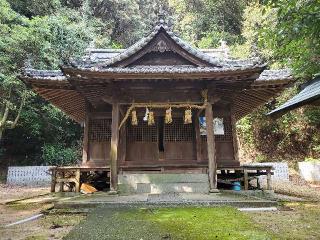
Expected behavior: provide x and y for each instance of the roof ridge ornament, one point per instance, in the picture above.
(162, 20)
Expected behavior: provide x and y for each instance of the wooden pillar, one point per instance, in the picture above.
(234, 135)
(198, 137)
(269, 179)
(85, 147)
(77, 178)
(114, 147)
(246, 179)
(211, 149)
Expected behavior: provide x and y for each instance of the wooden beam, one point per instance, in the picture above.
(114, 147)
(211, 149)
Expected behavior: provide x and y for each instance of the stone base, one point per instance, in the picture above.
(214, 190)
(158, 183)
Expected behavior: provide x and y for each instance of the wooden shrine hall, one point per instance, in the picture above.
(160, 105)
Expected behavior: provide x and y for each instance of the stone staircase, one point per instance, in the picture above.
(157, 183)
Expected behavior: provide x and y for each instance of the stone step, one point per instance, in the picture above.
(162, 177)
(163, 183)
(190, 187)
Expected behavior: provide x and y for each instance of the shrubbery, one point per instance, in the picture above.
(59, 155)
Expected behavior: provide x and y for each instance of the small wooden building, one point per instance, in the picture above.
(143, 108)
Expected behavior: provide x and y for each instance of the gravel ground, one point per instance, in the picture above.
(296, 187)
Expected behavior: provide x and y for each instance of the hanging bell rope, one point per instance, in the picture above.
(168, 116)
(188, 116)
(134, 119)
(151, 121)
(204, 94)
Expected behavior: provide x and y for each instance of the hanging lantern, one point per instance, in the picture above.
(168, 116)
(188, 116)
(134, 119)
(151, 118)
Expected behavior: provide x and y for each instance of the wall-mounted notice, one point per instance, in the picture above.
(218, 127)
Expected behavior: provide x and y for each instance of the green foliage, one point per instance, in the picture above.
(309, 159)
(294, 37)
(59, 155)
(205, 22)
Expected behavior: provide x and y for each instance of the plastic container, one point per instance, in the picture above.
(236, 186)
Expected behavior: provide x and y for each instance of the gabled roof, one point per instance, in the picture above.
(309, 94)
(160, 58)
(161, 27)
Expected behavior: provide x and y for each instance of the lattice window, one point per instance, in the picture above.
(177, 131)
(142, 132)
(227, 132)
(100, 130)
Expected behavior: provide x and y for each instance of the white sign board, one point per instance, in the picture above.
(29, 176)
(218, 127)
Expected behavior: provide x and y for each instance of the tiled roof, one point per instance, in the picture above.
(108, 57)
(168, 69)
(310, 93)
(268, 75)
(56, 75)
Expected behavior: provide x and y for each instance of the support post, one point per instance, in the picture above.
(198, 137)
(77, 178)
(114, 148)
(269, 179)
(234, 135)
(85, 147)
(246, 179)
(211, 149)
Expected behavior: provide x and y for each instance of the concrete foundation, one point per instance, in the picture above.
(163, 183)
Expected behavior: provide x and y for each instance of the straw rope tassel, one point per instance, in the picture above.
(168, 117)
(151, 118)
(188, 116)
(134, 119)
(204, 94)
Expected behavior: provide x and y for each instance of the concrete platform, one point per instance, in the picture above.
(153, 183)
(167, 199)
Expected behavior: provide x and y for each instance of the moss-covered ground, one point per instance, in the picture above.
(294, 221)
(194, 223)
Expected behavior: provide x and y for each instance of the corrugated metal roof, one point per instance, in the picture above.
(309, 94)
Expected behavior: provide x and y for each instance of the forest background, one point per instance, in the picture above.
(46, 34)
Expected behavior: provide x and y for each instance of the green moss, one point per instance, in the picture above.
(200, 223)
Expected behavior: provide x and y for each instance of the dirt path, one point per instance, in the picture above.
(52, 226)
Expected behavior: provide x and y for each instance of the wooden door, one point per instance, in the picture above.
(142, 143)
(179, 142)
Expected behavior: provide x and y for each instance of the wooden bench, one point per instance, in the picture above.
(70, 174)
